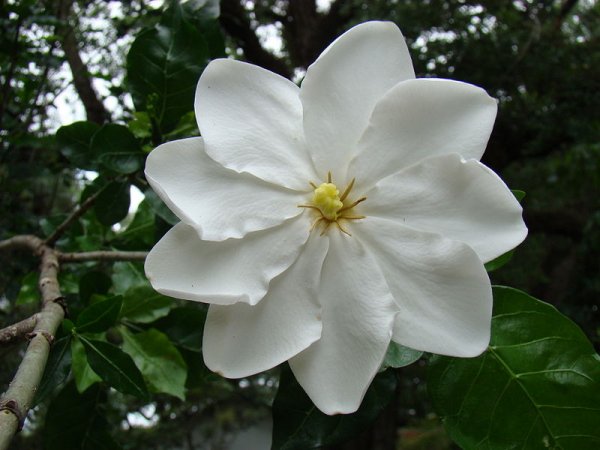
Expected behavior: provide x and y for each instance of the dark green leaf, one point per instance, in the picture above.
(140, 233)
(163, 68)
(299, 425)
(127, 274)
(112, 205)
(519, 195)
(159, 207)
(184, 326)
(57, 369)
(399, 356)
(75, 144)
(117, 149)
(82, 372)
(100, 316)
(142, 304)
(93, 282)
(499, 261)
(76, 421)
(537, 386)
(159, 361)
(115, 367)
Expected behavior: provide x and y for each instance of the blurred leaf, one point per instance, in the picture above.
(299, 425)
(519, 195)
(93, 282)
(160, 208)
(184, 326)
(76, 421)
(399, 356)
(117, 149)
(29, 290)
(112, 205)
(75, 144)
(82, 372)
(159, 361)
(500, 261)
(126, 275)
(537, 386)
(99, 316)
(57, 369)
(115, 367)
(142, 304)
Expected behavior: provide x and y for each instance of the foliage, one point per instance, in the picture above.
(129, 357)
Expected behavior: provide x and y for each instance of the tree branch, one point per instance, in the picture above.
(94, 108)
(17, 331)
(107, 255)
(16, 401)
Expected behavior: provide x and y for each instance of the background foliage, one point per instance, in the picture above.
(126, 369)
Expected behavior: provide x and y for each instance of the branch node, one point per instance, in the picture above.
(13, 407)
(46, 334)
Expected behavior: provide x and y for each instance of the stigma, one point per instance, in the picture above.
(331, 207)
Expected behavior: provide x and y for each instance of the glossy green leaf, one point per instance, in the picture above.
(159, 361)
(112, 205)
(117, 148)
(115, 367)
(99, 316)
(93, 282)
(163, 68)
(128, 274)
(160, 208)
(82, 372)
(500, 261)
(299, 425)
(184, 326)
(142, 304)
(519, 195)
(57, 369)
(77, 421)
(140, 234)
(75, 141)
(399, 356)
(537, 386)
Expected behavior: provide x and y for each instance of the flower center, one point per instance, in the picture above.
(331, 207)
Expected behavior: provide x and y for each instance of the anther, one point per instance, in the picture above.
(345, 208)
(347, 190)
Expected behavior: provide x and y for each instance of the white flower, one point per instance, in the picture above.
(294, 269)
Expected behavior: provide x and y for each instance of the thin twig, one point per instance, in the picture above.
(16, 401)
(107, 255)
(17, 331)
(76, 214)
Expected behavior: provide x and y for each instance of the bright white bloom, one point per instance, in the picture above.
(322, 222)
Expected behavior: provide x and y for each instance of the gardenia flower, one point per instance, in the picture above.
(325, 221)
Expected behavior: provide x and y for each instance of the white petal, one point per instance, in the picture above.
(358, 312)
(461, 200)
(442, 291)
(421, 118)
(236, 270)
(251, 121)
(219, 203)
(343, 85)
(242, 340)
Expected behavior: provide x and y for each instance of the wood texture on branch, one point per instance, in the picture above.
(108, 255)
(16, 401)
(17, 331)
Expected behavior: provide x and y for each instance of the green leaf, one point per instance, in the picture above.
(399, 356)
(142, 304)
(117, 148)
(93, 282)
(115, 367)
(163, 68)
(100, 316)
(159, 207)
(57, 369)
(299, 425)
(82, 372)
(112, 205)
(537, 386)
(500, 261)
(29, 290)
(77, 421)
(141, 125)
(184, 326)
(140, 234)
(75, 144)
(519, 195)
(127, 274)
(159, 361)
